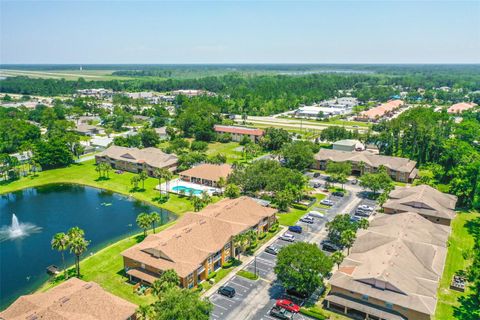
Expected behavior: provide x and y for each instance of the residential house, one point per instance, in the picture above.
(136, 160)
(162, 133)
(207, 174)
(71, 300)
(399, 169)
(384, 109)
(238, 133)
(460, 107)
(393, 270)
(87, 129)
(198, 244)
(428, 202)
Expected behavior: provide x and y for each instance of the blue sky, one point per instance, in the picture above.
(240, 32)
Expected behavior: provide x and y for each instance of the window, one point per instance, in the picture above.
(389, 305)
(365, 297)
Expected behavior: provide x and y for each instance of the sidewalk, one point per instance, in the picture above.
(245, 262)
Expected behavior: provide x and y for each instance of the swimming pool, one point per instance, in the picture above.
(186, 190)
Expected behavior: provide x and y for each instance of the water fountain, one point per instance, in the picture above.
(17, 230)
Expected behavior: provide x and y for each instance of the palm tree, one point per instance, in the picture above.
(99, 169)
(251, 236)
(347, 238)
(143, 222)
(167, 280)
(106, 168)
(221, 183)
(239, 242)
(78, 245)
(163, 173)
(134, 181)
(197, 203)
(168, 175)
(60, 243)
(154, 218)
(206, 199)
(337, 258)
(142, 176)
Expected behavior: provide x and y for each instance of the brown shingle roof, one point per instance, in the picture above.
(152, 156)
(74, 299)
(460, 107)
(398, 259)
(422, 199)
(185, 245)
(373, 160)
(208, 171)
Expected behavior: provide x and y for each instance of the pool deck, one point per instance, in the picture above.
(180, 183)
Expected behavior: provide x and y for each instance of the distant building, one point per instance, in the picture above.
(424, 200)
(238, 133)
(22, 157)
(136, 160)
(383, 110)
(162, 133)
(340, 103)
(95, 93)
(460, 107)
(393, 270)
(192, 93)
(399, 169)
(348, 145)
(71, 300)
(327, 108)
(87, 129)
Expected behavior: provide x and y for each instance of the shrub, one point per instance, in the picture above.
(314, 312)
(212, 275)
(199, 146)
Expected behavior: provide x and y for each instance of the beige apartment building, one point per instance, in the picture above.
(136, 160)
(207, 174)
(393, 270)
(199, 243)
(73, 299)
(238, 133)
(399, 169)
(424, 200)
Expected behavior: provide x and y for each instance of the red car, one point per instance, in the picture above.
(288, 305)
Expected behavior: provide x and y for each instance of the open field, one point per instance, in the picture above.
(461, 241)
(84, 173)
(65, 74)
(228, 149)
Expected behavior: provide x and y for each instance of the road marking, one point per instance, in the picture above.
(218, 306)
(231, 281)
(271, 263)
(253, 267)
(228, 299)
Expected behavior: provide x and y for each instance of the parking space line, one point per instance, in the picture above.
(218, 306)
(267, 261)
(228, 299)
(253, 267)
(240, 285)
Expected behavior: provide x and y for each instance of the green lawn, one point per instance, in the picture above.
(227, 149)
(106, 268)
(460, 241)
(84, 173)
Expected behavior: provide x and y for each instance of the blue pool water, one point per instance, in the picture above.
(187, 190)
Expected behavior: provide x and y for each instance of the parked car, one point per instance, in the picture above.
(296, 229)
(355, 219)
(317, 185)
(287, 237)
(288, 305)
(338, 194)
(330, 246)
(226, 291)
(316, 214)
(272, 250)
(362, 213)
(354, 181)
(327, 202)
(316, 174)
(281, 313)
(365, 207)
(307, 219)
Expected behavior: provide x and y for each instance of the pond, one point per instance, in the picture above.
(25, 250)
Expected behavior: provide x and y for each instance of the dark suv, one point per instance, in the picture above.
(329, 246)
(226, 291)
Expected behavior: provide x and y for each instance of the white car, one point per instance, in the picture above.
(316, 214)
(327, 202)
(307, 219)
(287, 237)
(365, 207)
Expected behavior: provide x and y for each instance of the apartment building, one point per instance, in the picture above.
(393, 270)
(424, 200)
(136, 160)
(207, 174)
(399, 169)
(71, 300)
(199, 243)
(382, 110)
(238, 133)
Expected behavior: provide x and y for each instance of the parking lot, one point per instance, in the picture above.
(254, 299)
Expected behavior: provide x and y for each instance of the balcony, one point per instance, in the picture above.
(217, 257)
(201, 269)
